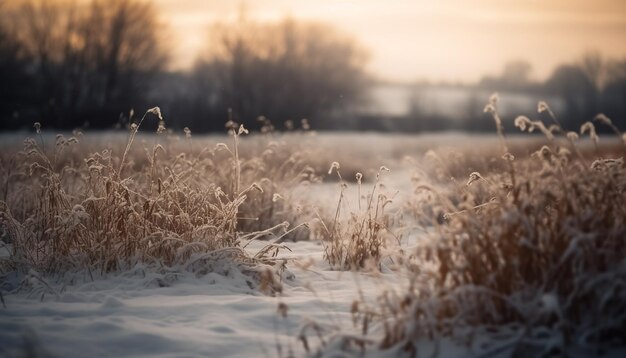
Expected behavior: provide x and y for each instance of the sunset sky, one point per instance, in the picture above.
(452, 40)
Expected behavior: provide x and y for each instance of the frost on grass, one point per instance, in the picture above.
(523, 252)
(530, 257)
(65, 211)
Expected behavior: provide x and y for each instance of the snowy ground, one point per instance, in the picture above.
(141, 313)
(130, 315)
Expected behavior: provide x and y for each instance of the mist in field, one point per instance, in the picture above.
(329, 178)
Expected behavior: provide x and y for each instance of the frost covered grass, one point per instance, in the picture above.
(357, 242)
(504, 245)
(69, 206)
(533, 252)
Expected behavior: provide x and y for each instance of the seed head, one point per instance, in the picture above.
(37, 126)
(494, 98)
(607, 164)
(474, 176)
(603, 119)
(490, 108)
(589, 127)
(542, 107)
(219, 146)
(289, 124)
(572, 136)
(508, 157)
(156, 111)
(544, 153)
(231, 124)
(522, 122)
(305, 124)
(161, 128)
(554, 129)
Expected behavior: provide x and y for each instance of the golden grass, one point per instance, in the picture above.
(535, 245)
(528, 235)
(74, 206)
(357, 242)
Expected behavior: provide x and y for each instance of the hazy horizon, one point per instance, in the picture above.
(450, 40)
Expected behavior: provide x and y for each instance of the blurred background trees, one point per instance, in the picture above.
(281, 71)
(78, 61)
(71, 64)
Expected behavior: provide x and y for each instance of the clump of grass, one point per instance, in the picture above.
(357, 242)
(109, 211)
(535, 251)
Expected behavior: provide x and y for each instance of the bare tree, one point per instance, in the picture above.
(285, 70)
(516, 72)
(577, 91)
(594, 67)
(614, 93)
(90, 58)
(12, 72)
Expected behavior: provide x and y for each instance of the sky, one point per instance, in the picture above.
(434, 40)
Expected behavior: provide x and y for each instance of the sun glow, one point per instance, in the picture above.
(434, 40)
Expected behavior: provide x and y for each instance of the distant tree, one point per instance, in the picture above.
(577, 91)
(88, 59)
(515, 76)
(286, 70)
(594, 67)
(614, 93)
(516, 73)
(616, 71)
(122, 41)
(13, 84)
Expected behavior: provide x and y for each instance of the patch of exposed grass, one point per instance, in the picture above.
(535, 248)
(71, 206)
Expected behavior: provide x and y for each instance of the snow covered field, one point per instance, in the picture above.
(141, 313)
(151, 310)
(130, 315)
(210, 316)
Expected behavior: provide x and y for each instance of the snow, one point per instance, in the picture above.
(129, 315)
(177, 313)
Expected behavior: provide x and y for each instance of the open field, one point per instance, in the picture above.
(301, 243)
(282, 178)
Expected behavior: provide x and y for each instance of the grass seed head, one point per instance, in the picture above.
(542, 107)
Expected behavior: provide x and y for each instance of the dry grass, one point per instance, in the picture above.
(527, 238)
(165, 204)
(536, 247)
(358, 241)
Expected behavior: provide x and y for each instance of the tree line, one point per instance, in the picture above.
(586, 86)
(71, 64)
(67, 63)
